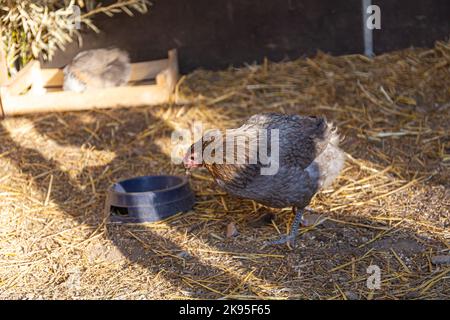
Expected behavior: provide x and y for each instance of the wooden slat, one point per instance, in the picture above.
(147, 70)
(140, 71)
(52, 77)
(168, 77)
(128, 96)
(24, 78)
(173, 72)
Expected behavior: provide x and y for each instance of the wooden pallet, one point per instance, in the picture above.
(34, 89)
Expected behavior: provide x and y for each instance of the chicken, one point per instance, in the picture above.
(99, 68)
(309, 159)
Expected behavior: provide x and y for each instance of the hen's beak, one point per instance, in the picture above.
(189, 163)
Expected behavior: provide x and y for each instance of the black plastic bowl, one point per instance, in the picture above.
(148, 198)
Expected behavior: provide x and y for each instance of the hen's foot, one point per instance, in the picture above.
(290, 238)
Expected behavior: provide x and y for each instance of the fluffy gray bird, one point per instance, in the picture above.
(309, 160)
(98, 68)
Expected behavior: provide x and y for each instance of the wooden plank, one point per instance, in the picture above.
(173, 73)
(147, 70)
(118, 97)
(168, 77)
(24, 78)
(140, 71)
(52, 77)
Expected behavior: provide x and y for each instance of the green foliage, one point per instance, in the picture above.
(33, 28)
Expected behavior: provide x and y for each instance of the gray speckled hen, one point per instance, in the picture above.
(309, 159)
(96, 69)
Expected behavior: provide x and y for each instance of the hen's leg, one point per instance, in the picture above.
(294, 229)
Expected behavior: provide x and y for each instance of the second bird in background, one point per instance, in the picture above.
(97, 69)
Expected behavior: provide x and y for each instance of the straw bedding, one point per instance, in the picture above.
(389, 207)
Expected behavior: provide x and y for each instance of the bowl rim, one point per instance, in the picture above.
(184, 181)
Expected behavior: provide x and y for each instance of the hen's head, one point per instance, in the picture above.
(193, 156)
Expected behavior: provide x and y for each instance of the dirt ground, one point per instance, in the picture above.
(389, 208)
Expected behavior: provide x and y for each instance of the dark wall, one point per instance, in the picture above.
(215, 34)
(416, 23)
